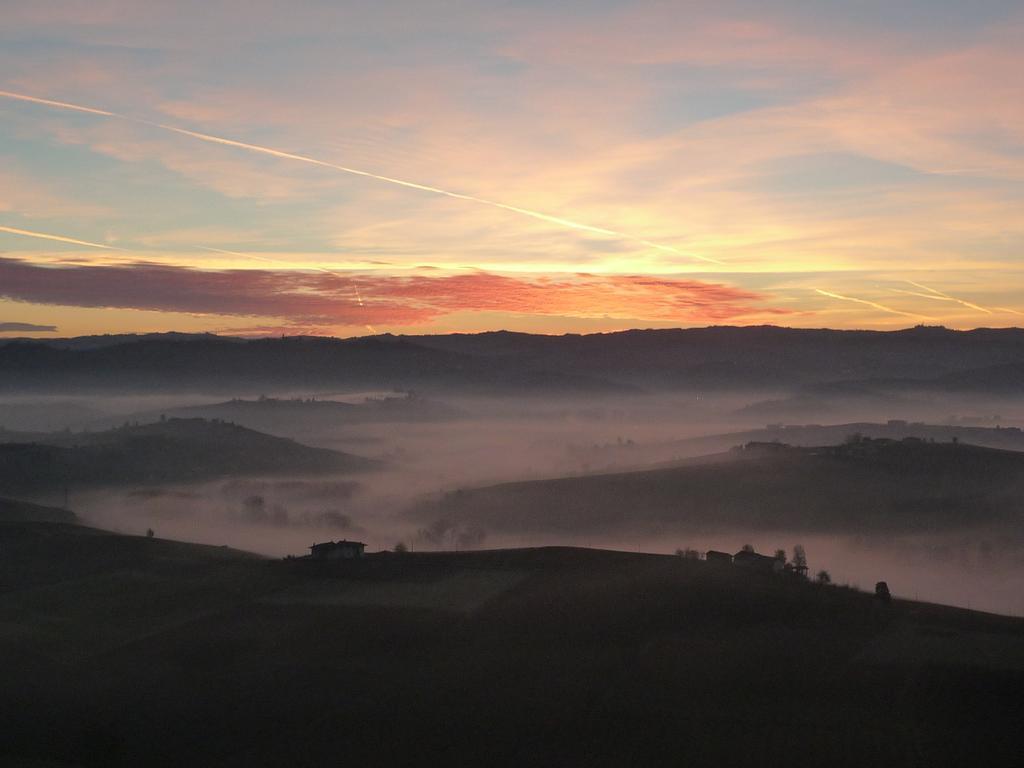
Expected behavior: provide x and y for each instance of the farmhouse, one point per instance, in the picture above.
(337, 550)
(718, 557)
(749, 559)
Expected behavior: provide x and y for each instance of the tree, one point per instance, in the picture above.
(824, 578)
(401, 548)
(780, 555)
(799, 556)
(149, 533)
(748, 547)
(800, 561)
(882, 592)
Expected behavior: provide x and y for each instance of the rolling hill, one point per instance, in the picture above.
(868, 486)
(810, 435)
(171, 451)
(124, 651)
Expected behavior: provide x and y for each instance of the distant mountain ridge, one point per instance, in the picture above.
(723, 357)
(214, 363)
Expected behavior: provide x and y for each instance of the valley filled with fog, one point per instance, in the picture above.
(426, 449)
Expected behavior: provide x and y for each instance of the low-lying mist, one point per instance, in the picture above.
(481, 441)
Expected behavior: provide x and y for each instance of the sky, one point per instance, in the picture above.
(331, 167)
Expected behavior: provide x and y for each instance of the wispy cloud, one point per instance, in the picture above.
(545, 217)
(800, 144)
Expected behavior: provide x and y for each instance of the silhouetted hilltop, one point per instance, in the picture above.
(697, 358)
(809, 435)
(864, 486)
(185, 653)
(175, 450)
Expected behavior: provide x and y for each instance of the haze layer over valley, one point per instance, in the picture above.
(460, 441)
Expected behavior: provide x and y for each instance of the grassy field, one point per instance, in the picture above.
(126, 651)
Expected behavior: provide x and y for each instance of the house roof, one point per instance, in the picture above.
(342, 543)
(752, 557)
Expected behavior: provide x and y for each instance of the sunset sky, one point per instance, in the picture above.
(348, 168)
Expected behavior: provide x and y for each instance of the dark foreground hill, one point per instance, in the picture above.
(868, 486)
(171, 451)
(15, 511)
(124, 651)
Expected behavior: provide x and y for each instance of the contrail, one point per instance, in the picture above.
(59, 104)
(937, 297)
(562, 222)
(355, 286)
(57, 238)
(874, 304)
(945, 296)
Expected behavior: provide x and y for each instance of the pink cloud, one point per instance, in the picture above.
(315, 299)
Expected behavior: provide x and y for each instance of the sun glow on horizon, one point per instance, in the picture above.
(738, 166)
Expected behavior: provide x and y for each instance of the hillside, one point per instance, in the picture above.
(175, 450)
(15, 511)
(808, 435)
(192, 655)
(870, 486)
(651, 454)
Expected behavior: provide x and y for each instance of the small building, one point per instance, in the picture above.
(746, 558)
(796, 570)
(337, 550)
(718, 557)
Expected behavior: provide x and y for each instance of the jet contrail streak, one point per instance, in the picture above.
(567, 223)
(57, 238)
(59, 104)
(874, 304)
(947, 296)
(932, 296)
